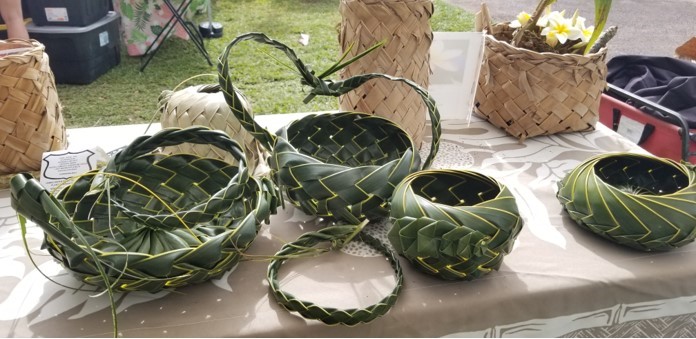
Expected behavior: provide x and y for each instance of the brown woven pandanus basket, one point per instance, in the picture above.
(528, 93)
(31, 120)
(204, 105)
(404, 26)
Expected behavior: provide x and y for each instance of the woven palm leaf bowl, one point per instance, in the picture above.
(149, 221)
(339, 166)
(640, 201)
(454, 224)
(204, 105)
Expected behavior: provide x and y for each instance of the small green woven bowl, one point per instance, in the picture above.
(454, 224)
(640, 201)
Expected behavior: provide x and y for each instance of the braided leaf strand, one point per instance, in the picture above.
(337, 236)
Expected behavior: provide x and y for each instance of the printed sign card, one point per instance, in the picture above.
(59, 166)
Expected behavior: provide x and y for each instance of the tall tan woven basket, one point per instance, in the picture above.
(204, 105)
(31, 120)
(528, 93)
(405, 27)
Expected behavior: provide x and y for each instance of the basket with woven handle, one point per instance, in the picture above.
(340, 166)
(204, 105)
(31, 120)
(527, 93)
(148, 221)
(405, 27)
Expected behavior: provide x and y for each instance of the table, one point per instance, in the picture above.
(558, 280)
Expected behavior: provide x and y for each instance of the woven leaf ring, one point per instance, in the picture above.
(338, 236)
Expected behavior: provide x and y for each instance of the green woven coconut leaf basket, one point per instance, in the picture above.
(454, 224)
(341, 166)
(151, 221)
(640, 201)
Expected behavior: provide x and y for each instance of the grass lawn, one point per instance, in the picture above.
(124, 95)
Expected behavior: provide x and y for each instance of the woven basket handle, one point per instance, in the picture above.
(174, 136)
(240, 107)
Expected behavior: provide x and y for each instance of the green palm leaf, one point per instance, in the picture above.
(602, 8)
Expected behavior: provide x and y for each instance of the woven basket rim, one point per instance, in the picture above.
(461, 173)
(338, 114)
(678, 167)
(510, 47)
(35, 45)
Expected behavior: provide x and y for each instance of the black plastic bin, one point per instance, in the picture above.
(78, 13)
(79, 55)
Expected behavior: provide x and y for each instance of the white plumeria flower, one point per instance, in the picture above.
(555, 15)
(560, 31)
(521, 20)
(586, 31)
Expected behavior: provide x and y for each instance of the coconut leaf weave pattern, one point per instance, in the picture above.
(455, 224)
(152, 221)
(405, 26)
(31, 119)
(342, 166)
(337, 236)
(640, 201)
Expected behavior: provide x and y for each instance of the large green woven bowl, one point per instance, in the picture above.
(151, 221)
(641, 201)
(454, 224)
(340, 166)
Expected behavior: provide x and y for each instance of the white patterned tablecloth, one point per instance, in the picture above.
(558, 280)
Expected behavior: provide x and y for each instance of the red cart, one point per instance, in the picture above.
(657, 129)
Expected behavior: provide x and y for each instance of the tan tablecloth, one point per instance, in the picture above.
(559, 278)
